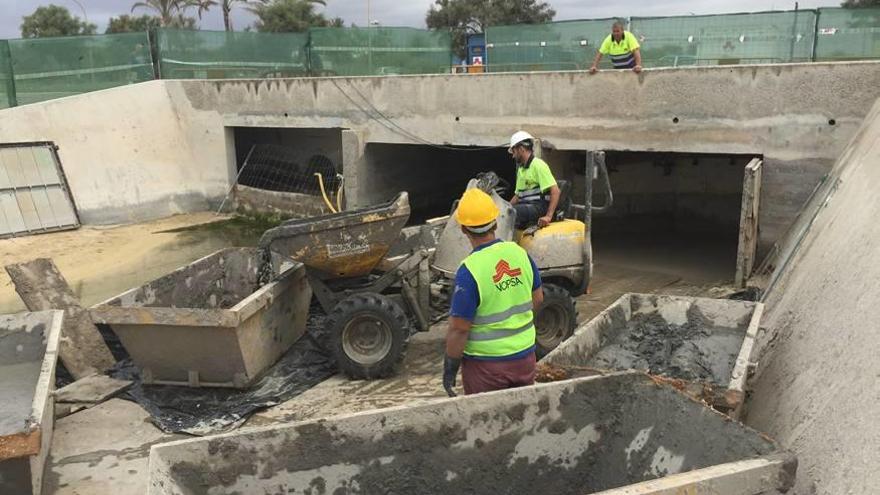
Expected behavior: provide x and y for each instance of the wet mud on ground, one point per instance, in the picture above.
(694, 351)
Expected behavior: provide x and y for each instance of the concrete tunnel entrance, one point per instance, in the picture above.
(675, 215)
(433, 176)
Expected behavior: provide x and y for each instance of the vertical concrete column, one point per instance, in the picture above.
(353, 168)
(538, 148)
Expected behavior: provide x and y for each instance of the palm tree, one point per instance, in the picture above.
(167, 9)
(226, 6)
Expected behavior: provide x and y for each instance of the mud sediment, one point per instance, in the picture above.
(694, 351)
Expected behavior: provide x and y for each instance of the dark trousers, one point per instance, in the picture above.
(485, 376)
(528, 213)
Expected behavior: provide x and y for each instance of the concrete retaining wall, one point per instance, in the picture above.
(127, 154)
(156, 148)
(817, 381)
(783, 112)
(579, 436)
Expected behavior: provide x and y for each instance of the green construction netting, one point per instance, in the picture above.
(7, 93)
(847, 34)
(231, 55)
(763, 37)
(566, 45)
(379, 51)
(47, 68)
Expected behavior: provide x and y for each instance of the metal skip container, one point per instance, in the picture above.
(703, 346)
(28, 355)
(211, 323)
(624, 433)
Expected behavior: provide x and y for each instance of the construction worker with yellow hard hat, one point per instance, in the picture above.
(491, 334)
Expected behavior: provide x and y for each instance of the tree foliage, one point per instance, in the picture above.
(860, 4)
(464, 17)
(131, 24)
(285, 16)
(172, 13)
(53, 20)
(136, 24)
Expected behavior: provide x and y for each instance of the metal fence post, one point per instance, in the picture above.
(11, 97)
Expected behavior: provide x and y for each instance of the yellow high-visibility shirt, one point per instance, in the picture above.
(621, 53)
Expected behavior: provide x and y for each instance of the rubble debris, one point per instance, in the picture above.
(42, 287)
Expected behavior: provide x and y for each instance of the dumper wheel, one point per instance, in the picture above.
(555, 320)
(369, 335)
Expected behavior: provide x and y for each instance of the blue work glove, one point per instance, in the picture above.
(450, 369)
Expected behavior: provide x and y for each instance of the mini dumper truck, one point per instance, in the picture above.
(375, 302)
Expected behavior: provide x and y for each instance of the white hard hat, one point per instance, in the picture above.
(518, 137)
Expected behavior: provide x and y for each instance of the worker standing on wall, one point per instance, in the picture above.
(622, 47)
(491, 332)
(536, 195)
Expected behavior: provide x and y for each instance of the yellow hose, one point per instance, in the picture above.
(339, 193)
(324, 193)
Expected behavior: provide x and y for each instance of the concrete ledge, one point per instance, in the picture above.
(28, 356)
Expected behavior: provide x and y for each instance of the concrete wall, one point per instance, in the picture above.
(127, 154)
(781, 112)
(166, 146)
(817, 380)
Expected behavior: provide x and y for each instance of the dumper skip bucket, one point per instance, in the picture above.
(211, 323)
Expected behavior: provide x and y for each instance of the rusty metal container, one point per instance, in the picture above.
(702, 346)
(342, 245)
(211, 323)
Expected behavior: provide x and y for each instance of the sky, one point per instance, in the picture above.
(407, 12)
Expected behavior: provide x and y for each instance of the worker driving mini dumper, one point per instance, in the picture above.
(491, 333)
(536, 194)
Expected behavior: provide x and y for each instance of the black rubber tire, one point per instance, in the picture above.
(379, 355)
(555, 320)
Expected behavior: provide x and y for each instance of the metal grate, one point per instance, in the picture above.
(34, 197)
(278, 168)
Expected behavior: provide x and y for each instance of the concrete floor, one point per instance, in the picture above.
(104, 450)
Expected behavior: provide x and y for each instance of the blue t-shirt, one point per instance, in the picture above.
(466, 295)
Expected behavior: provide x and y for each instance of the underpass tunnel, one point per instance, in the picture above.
(674, 214)
(433, 176)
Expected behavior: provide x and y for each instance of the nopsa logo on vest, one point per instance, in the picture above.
(503, 269)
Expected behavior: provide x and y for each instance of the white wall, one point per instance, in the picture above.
(126, 153)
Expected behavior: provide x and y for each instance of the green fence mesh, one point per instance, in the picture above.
(47, 68)
(848, 34)
(379, 51)
(224, 55)
(566, 45)
(763, 37)
(7, 91)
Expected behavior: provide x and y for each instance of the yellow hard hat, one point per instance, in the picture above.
(476, 209)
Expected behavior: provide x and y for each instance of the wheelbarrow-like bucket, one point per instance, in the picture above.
(342, 245)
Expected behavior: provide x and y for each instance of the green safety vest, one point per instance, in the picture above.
(504, 323)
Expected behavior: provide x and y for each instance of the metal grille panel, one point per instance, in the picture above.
(33, 193)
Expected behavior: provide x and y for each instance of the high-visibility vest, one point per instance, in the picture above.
(504, 323)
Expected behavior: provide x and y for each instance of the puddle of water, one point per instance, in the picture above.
(100, 270)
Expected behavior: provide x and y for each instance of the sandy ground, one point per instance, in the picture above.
(100, 262)
(103, 450)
